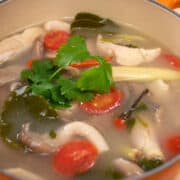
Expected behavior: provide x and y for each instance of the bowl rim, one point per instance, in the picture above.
(163, 7)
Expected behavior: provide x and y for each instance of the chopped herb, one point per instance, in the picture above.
(141, 107)
(130, 123)
(40, 72)
(99, 78)
(72, 92)
(52, 134)
(73, 51)
(46, 79)
(149, 164)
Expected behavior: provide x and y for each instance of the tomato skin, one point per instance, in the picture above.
(54, 39)
(75, 157)
(119, 123)
(173, 144)
(102, 103)
(89, 63)
(172, 60)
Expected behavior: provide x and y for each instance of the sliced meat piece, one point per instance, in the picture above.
(17, 44)
(126, 55)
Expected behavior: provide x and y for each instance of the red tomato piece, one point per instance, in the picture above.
(119, 123)
(173, 144)
(75, 157)
(89, 63)
(172, 60)
(54, 39)
(103, 102)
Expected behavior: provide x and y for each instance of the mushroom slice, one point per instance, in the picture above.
(82, 129)
(42, 143)
(17, 44)
(126, 55)
(22, 174)
(143, 138)
(127, 167)
(57, 25)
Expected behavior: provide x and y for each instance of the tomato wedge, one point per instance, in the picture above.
(75, 157)
(89, 63)
(54, 39)
(173, 144)
(172, 60)
(102, 102)
(119, 123)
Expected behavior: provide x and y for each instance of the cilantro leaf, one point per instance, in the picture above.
(70, 91)
(57, 99)
(74, 50)
(45, 78)
(98, 79)
(41, 70)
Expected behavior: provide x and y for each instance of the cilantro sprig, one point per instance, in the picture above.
(45, 78)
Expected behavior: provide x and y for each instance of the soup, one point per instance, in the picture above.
(88, 99)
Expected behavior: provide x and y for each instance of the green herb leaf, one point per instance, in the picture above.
(52, 134)
(98, 79)
(149, 164)
(130, 123)
(71, 92)
(73, 51)
(41, 70)
(141, 107)
(46, 80)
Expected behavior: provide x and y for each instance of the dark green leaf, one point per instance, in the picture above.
(149, 164)
(98, 79)
(71, 92)
(41, 70)
(19, 110)
(130, 123)
(141, 107)
(73, 51)
(91, 21)
(57, 99)
(52, 134)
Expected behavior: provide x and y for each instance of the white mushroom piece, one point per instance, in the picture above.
(127, 167)
(143, 137)
(17, 44)
(42, 143)
(126, 55)
(22, 174)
